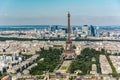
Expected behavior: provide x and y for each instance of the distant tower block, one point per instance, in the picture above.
(68, 53)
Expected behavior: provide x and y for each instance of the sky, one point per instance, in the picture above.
(34, 12)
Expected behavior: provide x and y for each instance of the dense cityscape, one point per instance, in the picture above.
(56, 52)
(59, 39)
(59, 31)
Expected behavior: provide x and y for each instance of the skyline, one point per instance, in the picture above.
(91, 12)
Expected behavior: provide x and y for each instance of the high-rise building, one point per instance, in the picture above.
(85, 30)
(92, 30)
(97, 31)
(53, 28)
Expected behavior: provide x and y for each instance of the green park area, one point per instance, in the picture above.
(84, 61)
(51, 61)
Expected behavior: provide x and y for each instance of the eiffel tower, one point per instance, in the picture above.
(68, 53)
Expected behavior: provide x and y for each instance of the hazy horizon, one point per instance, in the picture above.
(32, 12)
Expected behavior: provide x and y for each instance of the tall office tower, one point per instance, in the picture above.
(68, 53)
(54, 28)
(92, 30)
(85, 30)
(97, 31)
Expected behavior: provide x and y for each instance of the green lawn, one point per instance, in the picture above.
(64, 67)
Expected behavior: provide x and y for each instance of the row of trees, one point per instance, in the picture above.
(30, 39)
(51, 39)
(84, 61)
(50, 62)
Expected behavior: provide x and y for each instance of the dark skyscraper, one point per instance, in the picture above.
(92, 30)
(54, 27)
